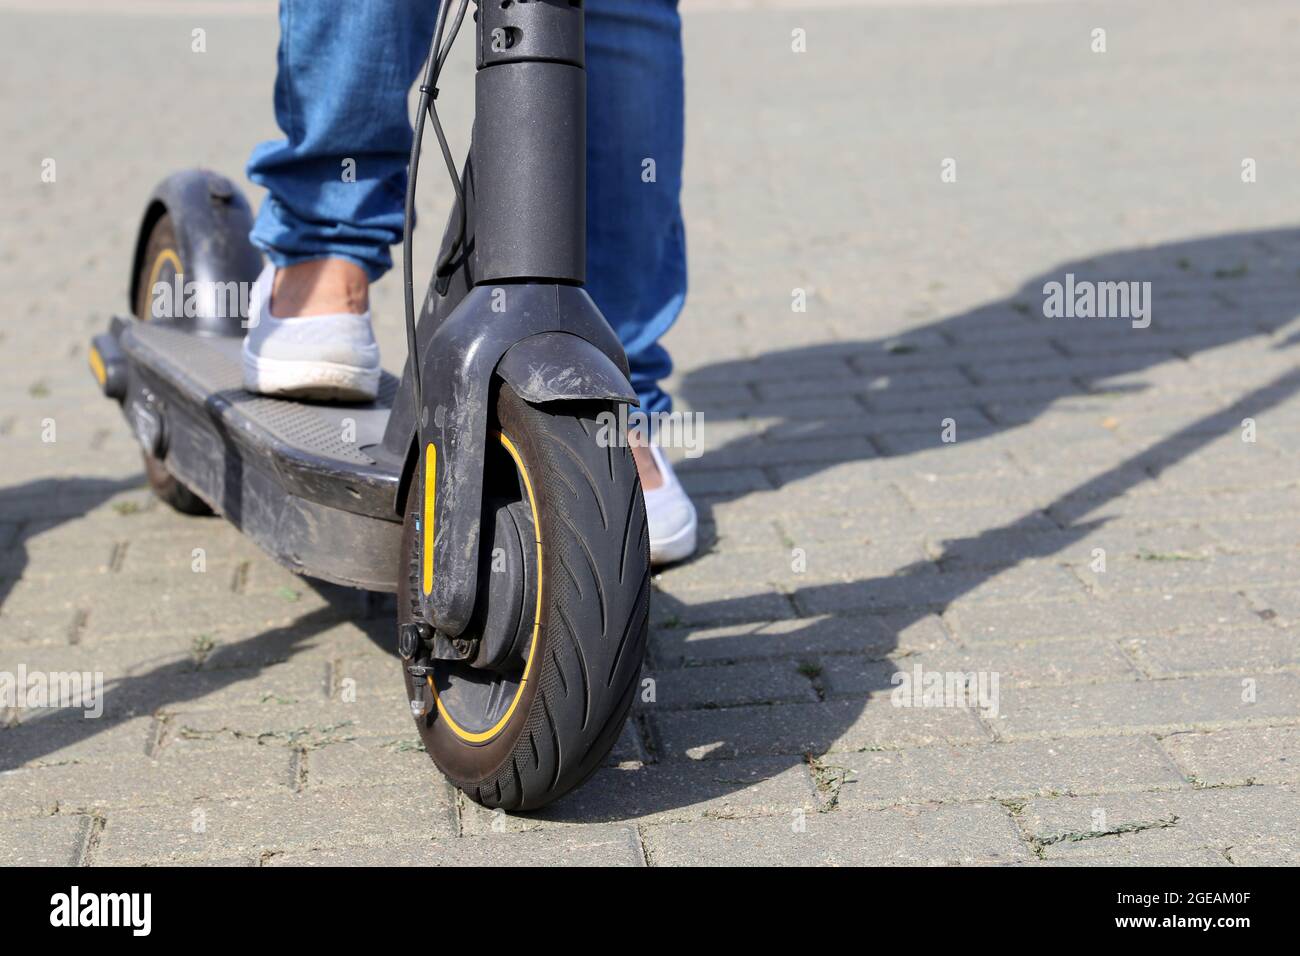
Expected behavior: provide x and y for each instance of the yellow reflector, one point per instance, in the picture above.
(97, 366)
(430, 489)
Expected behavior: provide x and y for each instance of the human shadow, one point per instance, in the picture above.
(994, 369)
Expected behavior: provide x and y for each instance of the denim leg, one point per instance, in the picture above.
(345, 69)
(636, 244)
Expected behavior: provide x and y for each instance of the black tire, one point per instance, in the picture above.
(160, 262)
(170, 488)
(594, 602)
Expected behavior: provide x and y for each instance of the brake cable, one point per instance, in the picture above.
(438, 53)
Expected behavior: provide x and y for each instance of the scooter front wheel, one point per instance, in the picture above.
(532, 727)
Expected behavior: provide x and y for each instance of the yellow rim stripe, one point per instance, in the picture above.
(537, 620)
(430, 491)
(97, 366)
(167, 255)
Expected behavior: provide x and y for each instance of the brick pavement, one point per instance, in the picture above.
(1148, 708)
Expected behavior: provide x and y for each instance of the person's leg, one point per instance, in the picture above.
(337, 181)
(636, 249)
(335, 191)
(636, 246)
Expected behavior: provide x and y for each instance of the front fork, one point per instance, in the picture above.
(517, 278)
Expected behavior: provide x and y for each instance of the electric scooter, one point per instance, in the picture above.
(478, 486)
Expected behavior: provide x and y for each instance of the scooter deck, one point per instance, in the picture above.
(308, 481)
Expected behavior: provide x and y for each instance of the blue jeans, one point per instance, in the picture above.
(336, 184)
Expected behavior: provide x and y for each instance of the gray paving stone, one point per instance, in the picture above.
(369, 761)
(1147, 706)
(962, 491)
(875, 541)
(769, 568)
(1236, 757)
(1250, 825)
(1133, 542)
(45, 742)
(757, 454)
(1243, 650)
(920, 589)
(875, 636)
(915, 442)
(748, 787)
(272, 823)
(1252, 536)
(717, 604)
(998, 549)
(906, 836)
(999, 771)
(42, 841)
(955, 524)
(840, 724)
(137, 780)
(753, 683)
(849, 562)
(189, 608)
(721, 529)
(1278, 605)
(724, 482)
(1016, 665)
(1167, 574)
(590, 846)
(1118, 617)
(1249, 504)
(1160, 847)
(291, 724)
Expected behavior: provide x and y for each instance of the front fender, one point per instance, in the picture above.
(560, 366)
(566, 349)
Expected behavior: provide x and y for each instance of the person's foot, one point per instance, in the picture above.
(669, 512)
(321, 346)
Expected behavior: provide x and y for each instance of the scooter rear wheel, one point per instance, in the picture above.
(161, 262)
(518, 738)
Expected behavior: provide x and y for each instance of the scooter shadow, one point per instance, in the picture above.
(178, 680)
(1208, 293)
(58, 500)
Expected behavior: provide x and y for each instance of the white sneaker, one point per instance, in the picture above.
(670, 515)
(324, 357)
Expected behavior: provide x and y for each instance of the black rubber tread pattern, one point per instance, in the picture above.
(596, 596)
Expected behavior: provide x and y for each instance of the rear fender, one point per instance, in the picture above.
(212, 221)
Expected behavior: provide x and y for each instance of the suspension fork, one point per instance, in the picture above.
(522, 241)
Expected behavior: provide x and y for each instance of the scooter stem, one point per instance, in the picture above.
(529, 154)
